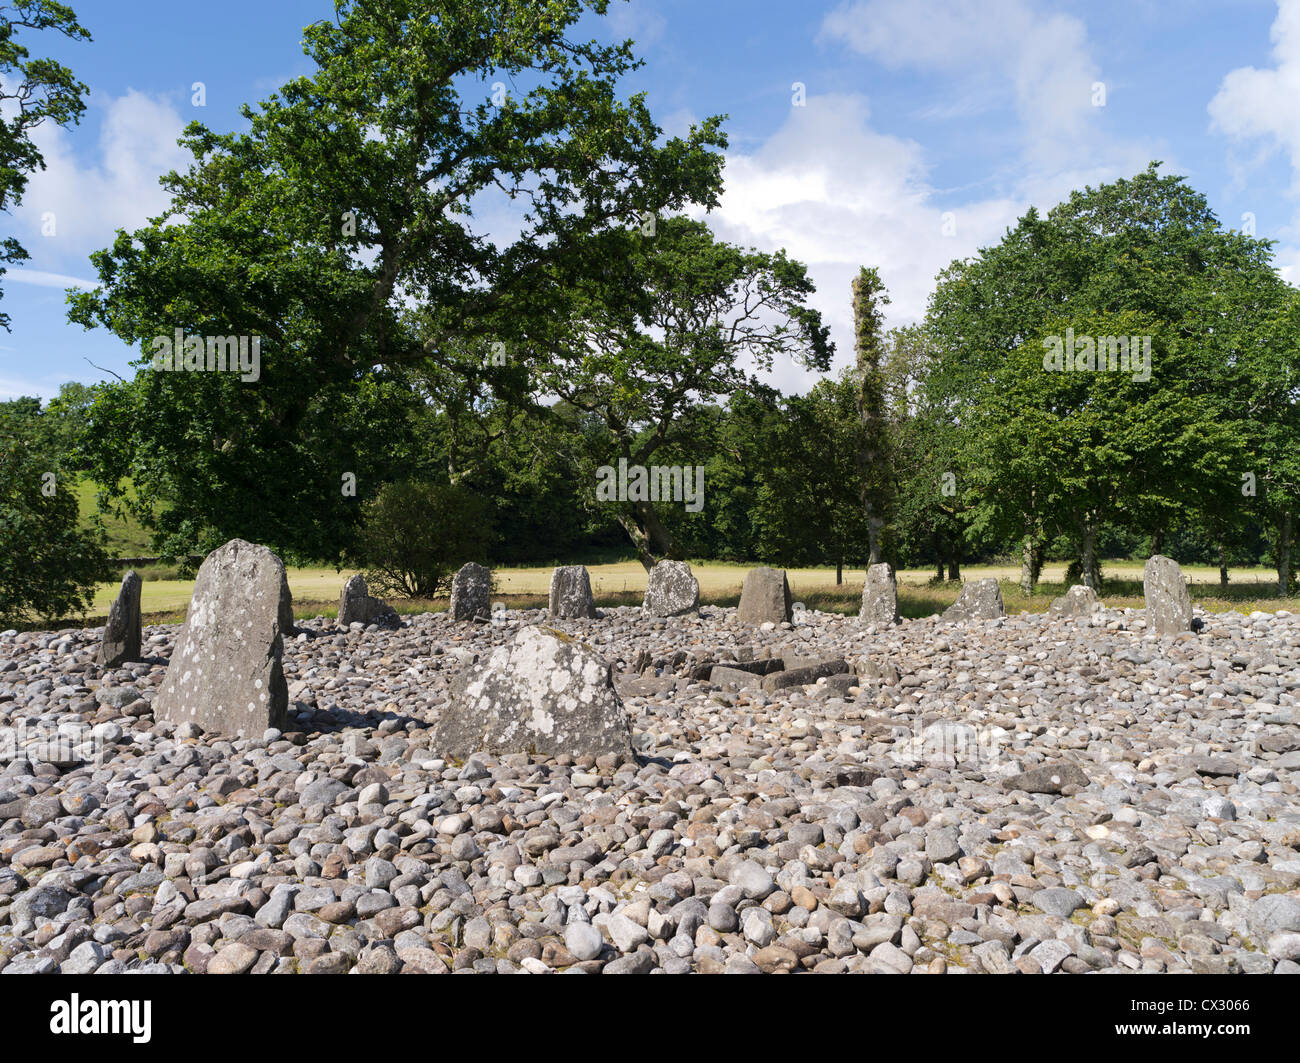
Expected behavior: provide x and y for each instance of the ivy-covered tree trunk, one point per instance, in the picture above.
(873, 452)
(1284, 529)
(1091, 573)
(1031, 561)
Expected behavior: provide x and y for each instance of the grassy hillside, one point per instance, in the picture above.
(126, 536)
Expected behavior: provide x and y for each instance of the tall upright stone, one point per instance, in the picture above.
(980, 599)
(471, 592)
(571, 597)
(122, 633)
(225, 673)
(671, 590)
(879, 596)
(544, 694)
(1169, 605)
(765, 597)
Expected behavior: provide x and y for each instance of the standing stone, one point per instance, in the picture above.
(764, 597)
(356, 606)
(879, 596)
(1169, 605)
(544, 694)
(1077, 601)
(471, 589)
(225, 674)
(979, 600)
(122, 632)
(571, 593)
(671, 590)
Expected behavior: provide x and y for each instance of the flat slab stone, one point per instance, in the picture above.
(980, 599)
(225, 674)
(543, 693)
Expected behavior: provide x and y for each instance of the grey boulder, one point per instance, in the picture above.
(1077, 601)
(356, 606)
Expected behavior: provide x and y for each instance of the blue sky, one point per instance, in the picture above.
(928, 127)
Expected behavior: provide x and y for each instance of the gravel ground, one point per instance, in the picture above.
(1024, 795)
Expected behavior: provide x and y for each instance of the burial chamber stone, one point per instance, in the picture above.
(980, 599)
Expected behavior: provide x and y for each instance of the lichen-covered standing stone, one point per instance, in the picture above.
(543, 693)
(1169, 605)
(671, 590)
(980, 599)
(571, 597)
(765, 597)
(225, 674)
(471, 591)
(879, 596)
(122, 632)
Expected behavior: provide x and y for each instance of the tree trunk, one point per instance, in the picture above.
(939, 570)
(1158, 542)
(1030, 565)
(1223, 564)
(839, 571)
(954, 569)
(1284, 554)
(873, 538)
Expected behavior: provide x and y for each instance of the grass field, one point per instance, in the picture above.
(316, 590)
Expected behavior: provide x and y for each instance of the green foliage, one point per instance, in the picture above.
(32, 91)
(339, 229)
(415, 535)
(48, 563)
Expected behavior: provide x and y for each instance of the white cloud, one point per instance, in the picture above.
(637, 20)
(1039, 59)
(118, 188)
(1257, 110)
(838, 195)
(42, 279)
